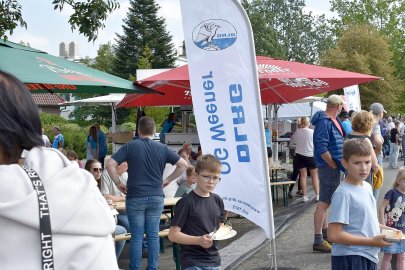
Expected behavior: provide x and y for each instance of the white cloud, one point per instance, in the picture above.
(170, 10)
(35, 41)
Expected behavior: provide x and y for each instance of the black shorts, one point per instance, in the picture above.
(304, 162)
(269, 152)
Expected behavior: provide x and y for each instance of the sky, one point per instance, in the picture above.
(47, 28)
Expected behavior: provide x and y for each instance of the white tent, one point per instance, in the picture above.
(298, 108)
(295, 110)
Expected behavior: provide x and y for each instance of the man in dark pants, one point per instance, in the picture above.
(328, 154)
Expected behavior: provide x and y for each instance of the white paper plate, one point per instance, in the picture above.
(230, 234)
(390, 239)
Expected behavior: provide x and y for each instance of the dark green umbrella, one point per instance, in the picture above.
(42, 72)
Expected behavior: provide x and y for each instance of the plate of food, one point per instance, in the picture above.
(393, 235)
(224, 232)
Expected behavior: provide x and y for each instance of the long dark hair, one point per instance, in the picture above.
(93, 133)
(20, 125)
(87, 167)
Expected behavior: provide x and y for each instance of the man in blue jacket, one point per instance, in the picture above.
(328, 152)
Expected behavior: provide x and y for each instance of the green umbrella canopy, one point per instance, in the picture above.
(42, 72)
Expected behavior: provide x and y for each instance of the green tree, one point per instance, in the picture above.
(388, 16)
(142, 27)
(105, 58)
(86, 115)
(361, 48)
(88, 16)
(282, 29)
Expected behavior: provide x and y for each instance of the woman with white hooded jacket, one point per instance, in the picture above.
(80, 219)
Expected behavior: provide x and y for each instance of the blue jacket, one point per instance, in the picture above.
(327, 137)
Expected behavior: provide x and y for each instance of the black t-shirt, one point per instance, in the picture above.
(394, 133)
(197, 216)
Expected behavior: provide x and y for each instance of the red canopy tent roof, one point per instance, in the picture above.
(280, 82)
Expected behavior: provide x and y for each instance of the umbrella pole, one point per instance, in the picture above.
(113, 125)
(312, 110)
(276, 145)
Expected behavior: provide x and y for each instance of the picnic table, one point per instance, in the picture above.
(276, 183)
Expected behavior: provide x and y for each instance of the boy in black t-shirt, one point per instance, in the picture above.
(197, 215)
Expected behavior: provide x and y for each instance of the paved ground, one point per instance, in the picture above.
(250, 249)
(294, 245)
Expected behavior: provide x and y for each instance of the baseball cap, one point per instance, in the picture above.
(376, 108)
(334, 99)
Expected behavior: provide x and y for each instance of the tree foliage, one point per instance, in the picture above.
(361, 48)
(388, 16)
(88, 16)
(143, 28)
(283, 30)
(10, 17)
(86, 115)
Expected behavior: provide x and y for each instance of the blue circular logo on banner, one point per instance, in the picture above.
(214, 35)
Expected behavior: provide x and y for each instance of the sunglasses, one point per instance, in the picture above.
(97, 169)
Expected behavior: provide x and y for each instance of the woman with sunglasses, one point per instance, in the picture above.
(94, 167)
(67, 225)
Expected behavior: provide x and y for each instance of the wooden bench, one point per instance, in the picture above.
(274, 190)
(127, 236)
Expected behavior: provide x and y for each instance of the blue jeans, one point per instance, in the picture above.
(144, 216)
(123, 220)
(119, 245)
(203, 268)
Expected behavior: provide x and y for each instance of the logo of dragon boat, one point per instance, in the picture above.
(214, 35)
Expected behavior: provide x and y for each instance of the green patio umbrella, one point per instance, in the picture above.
(42, 72)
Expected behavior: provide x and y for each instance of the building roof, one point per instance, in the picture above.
(47, 99)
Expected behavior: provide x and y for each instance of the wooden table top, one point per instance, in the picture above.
(167, 202)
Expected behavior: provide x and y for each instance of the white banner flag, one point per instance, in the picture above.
(352, 98)
(227, 106)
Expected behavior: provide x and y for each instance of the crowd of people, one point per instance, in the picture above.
(345, 153)
(63, 211)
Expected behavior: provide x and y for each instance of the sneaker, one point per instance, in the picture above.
(324, 247)
(304, 198)
(317, 198)
(290, 196)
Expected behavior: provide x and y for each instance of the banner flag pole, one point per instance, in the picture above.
(227, 105)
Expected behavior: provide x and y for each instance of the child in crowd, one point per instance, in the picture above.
(72, 156)
(392, 214)
(187, 186)
(185, 155)
(197, 215)
(353, 222)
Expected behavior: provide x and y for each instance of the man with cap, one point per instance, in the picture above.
(328, 154)
(377, 109)
(346, 123)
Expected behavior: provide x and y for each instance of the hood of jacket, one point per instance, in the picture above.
(76, 205)
(317, 117)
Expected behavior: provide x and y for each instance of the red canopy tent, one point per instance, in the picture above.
(280, 82)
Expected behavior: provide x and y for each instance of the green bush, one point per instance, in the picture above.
(126, 127)
(75, 136)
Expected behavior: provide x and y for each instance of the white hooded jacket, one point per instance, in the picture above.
(81, 220)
